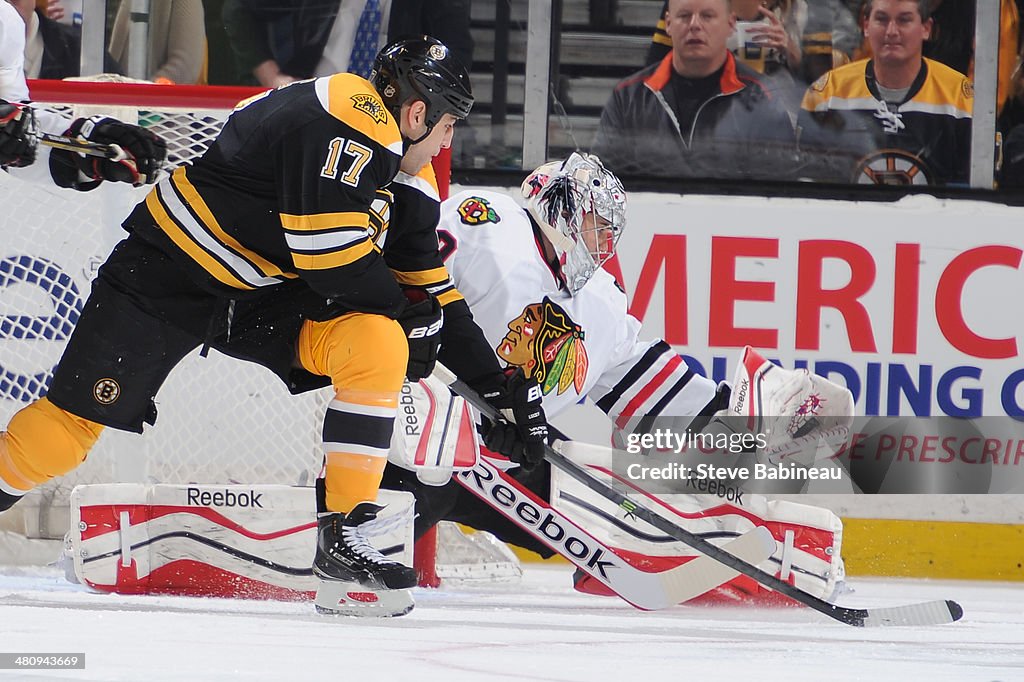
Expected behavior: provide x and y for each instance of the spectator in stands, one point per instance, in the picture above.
(767, 38)
(274, 44)
(824, 34)
(1011, 125)
(220, 58)
(52, 49)
(952, 38)
(831, 37)
(177, 40)
(697, 113)
(897, 118)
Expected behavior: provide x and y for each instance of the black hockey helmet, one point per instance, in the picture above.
(422, 68)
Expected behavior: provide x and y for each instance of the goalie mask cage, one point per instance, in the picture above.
(219, 420)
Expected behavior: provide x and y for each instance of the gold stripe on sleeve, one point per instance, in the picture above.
(192, 197)
(334, 259)
(324, 221)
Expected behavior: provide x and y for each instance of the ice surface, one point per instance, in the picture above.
(537, 630)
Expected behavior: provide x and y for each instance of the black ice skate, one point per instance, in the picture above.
(355, 578)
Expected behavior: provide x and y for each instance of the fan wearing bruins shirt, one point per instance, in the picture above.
(264, 249)
(897, 118)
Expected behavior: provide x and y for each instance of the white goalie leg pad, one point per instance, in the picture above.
(435, 432)
(808, 540)
(210, 540)
(795, 410)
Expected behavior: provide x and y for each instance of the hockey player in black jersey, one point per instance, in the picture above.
(272, 248)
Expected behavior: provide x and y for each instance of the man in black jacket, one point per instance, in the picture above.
(697, 113)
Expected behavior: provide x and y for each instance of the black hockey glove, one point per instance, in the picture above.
(17, 135)
(422, 320)
(522, 441)
(144, 155)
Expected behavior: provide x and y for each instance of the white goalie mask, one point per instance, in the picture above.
(580, 207)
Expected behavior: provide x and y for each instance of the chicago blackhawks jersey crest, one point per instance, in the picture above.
(549, 346)
(476, 211)
(574, 346)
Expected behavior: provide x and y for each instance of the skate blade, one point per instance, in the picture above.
(352, 599)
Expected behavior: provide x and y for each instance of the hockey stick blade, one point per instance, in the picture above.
(704, 574)
(928, 613)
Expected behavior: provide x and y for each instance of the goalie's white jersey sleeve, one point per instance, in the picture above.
(574, 346)
(12, 55)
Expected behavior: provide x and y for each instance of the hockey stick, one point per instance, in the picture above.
(928, 613)
(112, 152)
(649, 590)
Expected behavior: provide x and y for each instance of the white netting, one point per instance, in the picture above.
(475, 557)
(220, 420)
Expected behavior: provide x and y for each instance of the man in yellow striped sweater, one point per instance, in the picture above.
(896, 118)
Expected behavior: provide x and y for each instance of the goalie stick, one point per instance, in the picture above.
(648, 590)
(927, 613)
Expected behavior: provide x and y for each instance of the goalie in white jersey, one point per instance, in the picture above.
(533, 279)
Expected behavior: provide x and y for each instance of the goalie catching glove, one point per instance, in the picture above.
(421, 320)
(17, 135)
(523, 437)
(793, 410)
(144, 155)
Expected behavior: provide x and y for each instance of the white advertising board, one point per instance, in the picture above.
(914, 305)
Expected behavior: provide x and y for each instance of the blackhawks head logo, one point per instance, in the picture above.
(477, 211)
(548, 345)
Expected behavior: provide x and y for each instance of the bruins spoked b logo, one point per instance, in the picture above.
(892, 167)
(106, 391)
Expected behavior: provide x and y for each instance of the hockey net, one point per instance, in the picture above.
(220, 420)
